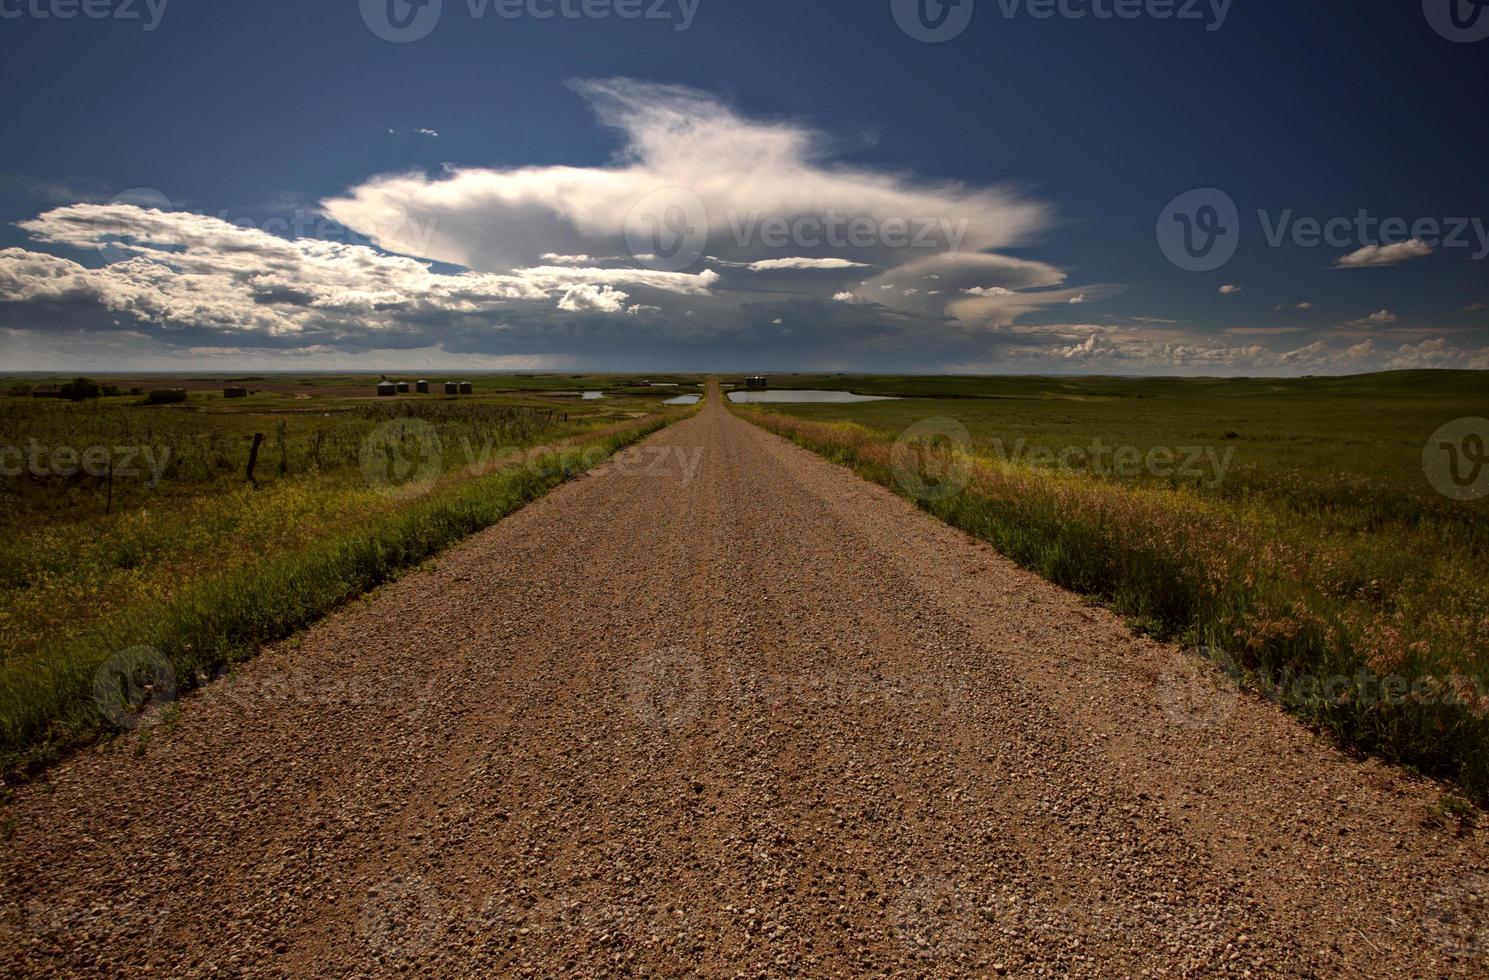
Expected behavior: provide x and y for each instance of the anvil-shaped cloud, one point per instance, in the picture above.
(773, 219)
(752, 178)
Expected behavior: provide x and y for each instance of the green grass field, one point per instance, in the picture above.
(131, 524)
(1371, 427)
(1305, 549)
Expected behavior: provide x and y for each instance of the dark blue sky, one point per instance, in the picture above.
(1325, 108)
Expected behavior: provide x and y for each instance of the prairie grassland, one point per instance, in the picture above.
(1317, 565)
(192, 560)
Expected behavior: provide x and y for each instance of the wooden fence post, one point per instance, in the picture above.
(253, 456)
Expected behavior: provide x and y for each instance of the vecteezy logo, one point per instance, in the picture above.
(401, 21)
(1200, 230)
(1194, 694)
(1457, 917)
(1461, 21)
(401, 919)
(932, 21)
(934, 918)
(130, 683)
(112, 239)
(930, 461)
(667, 230)
(402, 458)
(1456, 459)
(668, 687)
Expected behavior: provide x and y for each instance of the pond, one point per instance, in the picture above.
(683, 400)
(590, 396)
(805, 395)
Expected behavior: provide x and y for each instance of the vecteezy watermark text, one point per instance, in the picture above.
(405, 458)
(401, 21)
(1212, 12)
(936, 21)
(669, 229)
(670, 687)
(932, 460)
(100, 461)
(1202, 690)
(1201, 230)
(833, 230)
(1099, 459)
(681, 12)
(1363, 228)
(148, 12)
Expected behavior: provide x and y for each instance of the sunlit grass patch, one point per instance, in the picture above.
(210, 569)
(1366, 612)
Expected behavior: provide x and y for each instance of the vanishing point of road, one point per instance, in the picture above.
(721, 708)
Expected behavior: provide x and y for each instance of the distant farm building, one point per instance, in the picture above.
(466, 388)
(386, 389)
(403, 387)
(235, 392)
(47, 391)
(452, 388)
(422, 386)
(756, 382)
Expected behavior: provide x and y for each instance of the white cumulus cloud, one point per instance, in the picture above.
(1376, 256)
(767, 265)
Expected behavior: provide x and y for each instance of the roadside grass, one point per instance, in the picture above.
(1330, 439)
(179, 451)
(210, 576)
(1360, 605)
(74, 549)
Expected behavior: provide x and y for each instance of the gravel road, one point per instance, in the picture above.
(723, 708)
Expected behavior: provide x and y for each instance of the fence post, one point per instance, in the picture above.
(253, 456)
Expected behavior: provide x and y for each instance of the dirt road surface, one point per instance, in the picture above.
(722, 708)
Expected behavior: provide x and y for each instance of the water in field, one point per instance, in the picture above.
(591, 396)
(805, 395)
(683, 400)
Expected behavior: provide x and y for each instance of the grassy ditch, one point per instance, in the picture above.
(57, 695)
(1365, 615)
